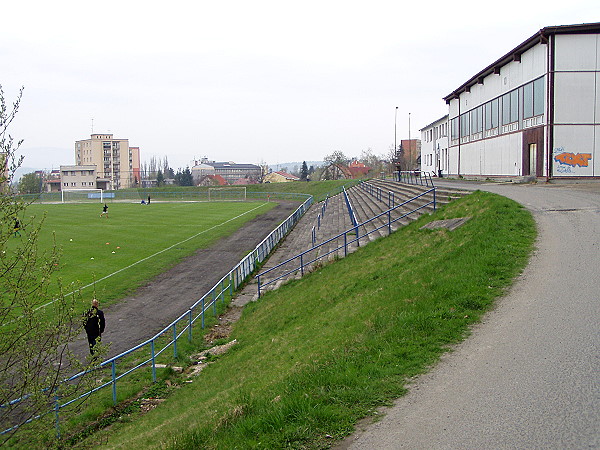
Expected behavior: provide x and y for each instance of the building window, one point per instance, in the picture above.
(464, 125)
(514, 106)
(538, 97)
(505, 109)
(454, 128)
(477, 120)
(528, 101)
(491, 114)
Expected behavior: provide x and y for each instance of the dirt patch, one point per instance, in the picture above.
(222, 330)
(152, 307)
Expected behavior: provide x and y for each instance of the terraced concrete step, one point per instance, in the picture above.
(333, 219)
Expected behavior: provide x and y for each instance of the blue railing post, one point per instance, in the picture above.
(258, 282)
(153, 361)
(114, 381)
(389, 214)
(174, 340)
(345, 244)
(190, 325)
(301, 265)
(56, 413)
(434, 199)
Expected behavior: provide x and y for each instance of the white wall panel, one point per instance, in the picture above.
(596, 154)
(574, 151)
(576, 52)
(534, 62)
(574, 100)
(597, 99)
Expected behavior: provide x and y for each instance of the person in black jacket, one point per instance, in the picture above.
(93, 322)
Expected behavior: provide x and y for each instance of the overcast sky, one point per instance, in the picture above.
(249, 81)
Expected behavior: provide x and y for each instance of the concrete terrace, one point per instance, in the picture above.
(330, 218)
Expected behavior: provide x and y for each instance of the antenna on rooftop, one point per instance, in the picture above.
(92, 125)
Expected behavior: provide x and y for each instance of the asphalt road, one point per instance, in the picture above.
(528, 376)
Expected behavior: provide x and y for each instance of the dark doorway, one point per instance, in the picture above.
(533, 152)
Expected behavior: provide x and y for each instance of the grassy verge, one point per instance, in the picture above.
(322, 352)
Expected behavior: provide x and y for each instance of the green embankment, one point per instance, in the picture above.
(322, 352)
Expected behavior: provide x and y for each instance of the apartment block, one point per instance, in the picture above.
(115, 161)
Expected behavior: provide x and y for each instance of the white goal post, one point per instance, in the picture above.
(232, 193)
(82, 195)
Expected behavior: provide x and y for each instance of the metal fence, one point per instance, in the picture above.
(175, 196)
(305, 259)
(414, 177)
(183, 325)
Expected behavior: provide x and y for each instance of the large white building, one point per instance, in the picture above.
(533, 112)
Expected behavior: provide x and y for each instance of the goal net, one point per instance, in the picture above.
(227, 194)
(82, 195)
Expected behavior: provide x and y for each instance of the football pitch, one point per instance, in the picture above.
(108, 257)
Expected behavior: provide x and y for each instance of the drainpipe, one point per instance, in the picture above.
(550, 106)
(459, 137)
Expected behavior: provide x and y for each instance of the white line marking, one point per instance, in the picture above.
(155, 254)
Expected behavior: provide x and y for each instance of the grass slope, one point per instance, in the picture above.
(322, 352)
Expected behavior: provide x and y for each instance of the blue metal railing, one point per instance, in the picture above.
(414, 177)
(312, 255)
(184, 323)
(353, 218)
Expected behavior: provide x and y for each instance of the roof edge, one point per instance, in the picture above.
(515, 54)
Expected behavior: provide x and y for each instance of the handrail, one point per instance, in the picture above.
(415, 177)
(344, 235)
(229, 282)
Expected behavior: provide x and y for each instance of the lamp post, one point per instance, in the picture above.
(409, 143)
(395, 121)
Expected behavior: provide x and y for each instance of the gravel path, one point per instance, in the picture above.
(154, 306)
(529, 375)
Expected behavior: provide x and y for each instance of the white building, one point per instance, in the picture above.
(81, 177)
(533, 112)
(434, 147)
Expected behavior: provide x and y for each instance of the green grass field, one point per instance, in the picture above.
(110, 257)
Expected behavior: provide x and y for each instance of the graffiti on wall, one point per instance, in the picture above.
(569, 162)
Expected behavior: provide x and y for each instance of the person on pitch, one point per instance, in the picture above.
(93, 322)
